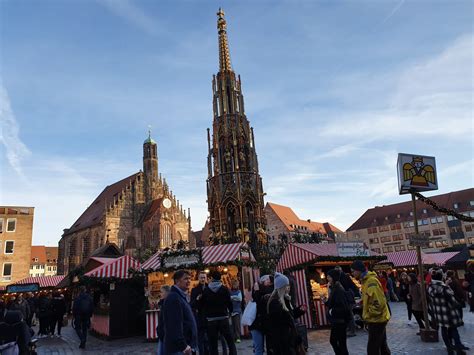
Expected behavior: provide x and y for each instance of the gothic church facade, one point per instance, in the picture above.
(135, 213)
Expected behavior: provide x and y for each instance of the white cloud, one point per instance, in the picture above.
(431, 98)
(133, 14)
(16, 150)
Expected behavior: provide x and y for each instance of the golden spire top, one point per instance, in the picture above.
(224, 53)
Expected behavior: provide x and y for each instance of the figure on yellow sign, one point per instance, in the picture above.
(419, 173)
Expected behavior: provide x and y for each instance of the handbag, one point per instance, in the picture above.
(250, 313)
(65, 321)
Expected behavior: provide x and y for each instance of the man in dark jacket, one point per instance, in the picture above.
(180, 325)
(82, 312)
(260, 290)
(59, 309)
(217, 305)
(196, 294)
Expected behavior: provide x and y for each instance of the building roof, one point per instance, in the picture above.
(51, 254)
(400, 212)
(93, 214)
(38, 252)
(293, 222)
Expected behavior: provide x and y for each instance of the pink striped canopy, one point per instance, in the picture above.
(223, 253)
(43, 281)
(153, 263)
(118, 268)
(299, 253)
(408, 258)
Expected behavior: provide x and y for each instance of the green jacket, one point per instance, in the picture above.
(375, 308)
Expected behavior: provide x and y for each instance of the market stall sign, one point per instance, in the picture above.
(180, 260)
(34, 287)
(244, 254)
(416, 173)
(419, 240)
(349, 249)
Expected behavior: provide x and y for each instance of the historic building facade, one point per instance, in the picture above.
(16, 231)
(282, 220)
(135, 213)
(388, 228)
(44, 261)
(234, 186)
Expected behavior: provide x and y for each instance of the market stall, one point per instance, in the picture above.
(118, 297)
(460, 261)
(407, 260)
(308, 263)
(234, 261)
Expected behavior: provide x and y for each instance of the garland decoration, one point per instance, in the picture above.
(443, 210)
(374, 258)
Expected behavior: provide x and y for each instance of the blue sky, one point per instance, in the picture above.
(334, 91)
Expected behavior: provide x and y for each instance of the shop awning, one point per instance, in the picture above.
(408, 258)
(223, 253)
(43, 281)
(118, 268)
(154, 262)
(300, 253)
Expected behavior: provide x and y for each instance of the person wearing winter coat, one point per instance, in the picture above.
(260, 293)
(282, 336)
(82, 310)
(236, 297)
(375, 312)
(338, 312)
(44, 315)
(216, 305)
(445, 310)
(351, 289)
(180, 330)
(469, 284)
(404, 291)
(59, 310)
(21, 305)
(454, 284)
(160, 329)
(414, 294)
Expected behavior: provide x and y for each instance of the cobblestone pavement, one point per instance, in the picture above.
(402, 339)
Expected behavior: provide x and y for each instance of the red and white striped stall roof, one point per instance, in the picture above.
(222, 253)
(153, 263)
(299, 253)
(408, 258)
(43, 281)
(118, 268)
(441, 258)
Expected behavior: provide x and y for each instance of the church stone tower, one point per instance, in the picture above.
(150, 168)
(234, 186)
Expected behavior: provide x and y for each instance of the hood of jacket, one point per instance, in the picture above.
(214, 286)
(436, 288)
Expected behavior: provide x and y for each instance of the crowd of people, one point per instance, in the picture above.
(211, 316)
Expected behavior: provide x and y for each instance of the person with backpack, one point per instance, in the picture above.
(375, 311)
(44, 315)
(261, 289)
(82, 312)
(338, 311)
(216, 305)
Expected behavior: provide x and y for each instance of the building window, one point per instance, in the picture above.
(11, 224)
(49, 268)
(400, 248)
(456, 205)
(395, 226)
(410, 247)
(1, 225)
(425, 211)
(7, 271)
(9, 245)
(377, 250)
(385, 239)
(411, 213)
(471, 240)
(471, 203)
(374, 240)
(387, 249)
(468, 228)
(439, 219)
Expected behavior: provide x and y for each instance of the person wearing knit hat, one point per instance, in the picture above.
(282, 336)
(280, 281)
(375, 311)
(339, 312)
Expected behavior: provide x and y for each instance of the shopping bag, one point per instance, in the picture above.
(65, 321)
(250, 313)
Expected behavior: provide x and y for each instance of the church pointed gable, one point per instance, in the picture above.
(94, 213)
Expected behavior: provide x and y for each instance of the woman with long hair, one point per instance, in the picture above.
(404, 292)
(415, 296)
(338, 311)
(282, 336)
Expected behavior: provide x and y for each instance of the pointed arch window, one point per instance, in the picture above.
(231, 219)
(250, 216)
